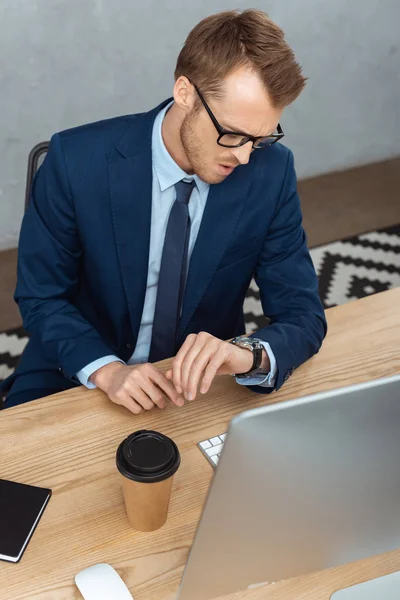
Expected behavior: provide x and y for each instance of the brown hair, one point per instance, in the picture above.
(228, 40)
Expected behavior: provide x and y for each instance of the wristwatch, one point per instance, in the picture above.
(256, 347)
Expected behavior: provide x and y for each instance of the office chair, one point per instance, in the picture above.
(35, 159)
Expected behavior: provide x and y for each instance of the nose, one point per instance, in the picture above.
(242, 153)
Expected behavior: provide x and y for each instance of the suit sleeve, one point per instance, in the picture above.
(49, 260)
(289, 287)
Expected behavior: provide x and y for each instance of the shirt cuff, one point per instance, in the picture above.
(262, 379)
(84, 374)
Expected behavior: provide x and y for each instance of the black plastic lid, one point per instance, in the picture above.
(148, 457)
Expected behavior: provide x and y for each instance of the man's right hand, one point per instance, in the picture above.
(137, 387)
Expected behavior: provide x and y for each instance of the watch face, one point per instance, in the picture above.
(243, 341)
(251, 342)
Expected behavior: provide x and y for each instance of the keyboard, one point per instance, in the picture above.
(212, 448)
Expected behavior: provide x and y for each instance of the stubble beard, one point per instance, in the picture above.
(193, 150)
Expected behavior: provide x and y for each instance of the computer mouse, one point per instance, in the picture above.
(102, 582)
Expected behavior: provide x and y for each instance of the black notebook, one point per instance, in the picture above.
(21, 507)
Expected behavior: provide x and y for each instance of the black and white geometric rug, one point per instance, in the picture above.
(12, 344)
(348, 270)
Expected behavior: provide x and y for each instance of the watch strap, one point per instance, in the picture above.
(257, 360)
(256, 347)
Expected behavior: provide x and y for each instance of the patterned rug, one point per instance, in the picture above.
(347, 270)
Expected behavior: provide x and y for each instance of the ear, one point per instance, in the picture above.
(184, 94)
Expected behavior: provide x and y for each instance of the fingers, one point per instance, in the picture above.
(211, 372)
(194, 369)
(155, 394)
(124, 399)
(196, 361)
(167, 387)
(205, 367)
(141, 398)
(146, 386)
(134, 400)
(149, 380)
(209, 344)
(142, 388)
(178, 361)
(136, 392)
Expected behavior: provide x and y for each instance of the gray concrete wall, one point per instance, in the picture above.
(66, 62)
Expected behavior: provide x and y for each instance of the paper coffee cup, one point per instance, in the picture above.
(147, 461)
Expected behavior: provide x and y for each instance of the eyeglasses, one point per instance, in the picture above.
(235, 139)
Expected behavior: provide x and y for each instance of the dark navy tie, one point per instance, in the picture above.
(172, 278)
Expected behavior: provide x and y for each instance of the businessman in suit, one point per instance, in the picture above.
(143, 233)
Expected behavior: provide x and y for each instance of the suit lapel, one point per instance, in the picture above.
(130, 182)
(224, 206)
(130, 192)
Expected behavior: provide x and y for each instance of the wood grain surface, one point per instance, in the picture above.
(68, 442)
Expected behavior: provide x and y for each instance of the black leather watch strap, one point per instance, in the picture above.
(257, 360)
(256, 347)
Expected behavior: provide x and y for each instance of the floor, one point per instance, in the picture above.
(335, 206)
(343, 204)
(9, 314)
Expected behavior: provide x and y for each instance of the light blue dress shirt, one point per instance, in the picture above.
(166, 173)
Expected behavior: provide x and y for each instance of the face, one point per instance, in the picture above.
(245, 107)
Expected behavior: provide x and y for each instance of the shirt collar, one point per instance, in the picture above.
(167, 170)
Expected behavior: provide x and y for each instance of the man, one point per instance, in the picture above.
(143, 233)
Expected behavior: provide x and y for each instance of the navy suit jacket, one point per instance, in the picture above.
(84, 248)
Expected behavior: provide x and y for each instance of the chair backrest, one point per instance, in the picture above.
(35, 159)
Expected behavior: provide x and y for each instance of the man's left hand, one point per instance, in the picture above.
(201, 358)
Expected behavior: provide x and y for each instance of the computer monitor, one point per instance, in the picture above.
(300, 486)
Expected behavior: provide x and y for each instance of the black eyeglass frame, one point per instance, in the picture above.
(246, 137)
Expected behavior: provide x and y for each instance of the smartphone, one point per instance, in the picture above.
(21, 507)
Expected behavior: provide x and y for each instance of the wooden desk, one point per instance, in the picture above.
(68, 443)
